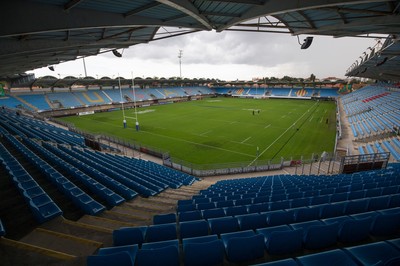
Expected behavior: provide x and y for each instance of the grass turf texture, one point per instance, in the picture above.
(224, 130)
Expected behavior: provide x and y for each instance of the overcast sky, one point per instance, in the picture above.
(226, 56)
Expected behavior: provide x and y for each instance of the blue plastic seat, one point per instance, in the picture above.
(339, 197)
(161, 232)
(320, 236)
(285, 262)
(166, 256)
(2, 229)
(119, 258)
(354, 230)
(261, 199)
(279, 205)
(213, 213)
(243, 246)
(226, 203)
(203, 253)
(223, 225)
(284, 242)
(235, 210)
(193, 228)
(190, 216)
(186, 207)
(306, 214)
(268, 230)
(320, 199)
(338, 219)
(251, 221)
(373, 192)
(332, 210)
(299, 202)
(131, 249)
(258, 208)
(205, 206)
(129, 235)
(394, 242)
(329, 258)
(164, 218)
(389, 190)
(385, 224)
(394, 201)
(279, 217)
(201, 200)
(185, 202)
(373, 254)
(161, 244)
(356, 194)
(378, 203)
(356, 206)
(199, 239)
(243, 201)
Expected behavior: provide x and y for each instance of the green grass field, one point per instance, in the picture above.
(224, 130)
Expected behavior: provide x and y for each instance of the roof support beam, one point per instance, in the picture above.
(187, 7)
(358, 11)
(390, 24)
(249, 2)
(276, 7)
(220, 14)
(71, 4)
(52, 18)
(142, 8)
(309, 21)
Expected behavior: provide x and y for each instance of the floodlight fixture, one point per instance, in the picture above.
(307, 42)
(116, 53)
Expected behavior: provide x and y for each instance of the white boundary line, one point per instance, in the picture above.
(205, 133)
(267, 148)
(267, 126)
(245, 140)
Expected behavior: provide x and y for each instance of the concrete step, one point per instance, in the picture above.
(22, 254)
(124, 217)
(59, 242)
(82, 230)
(104, 223)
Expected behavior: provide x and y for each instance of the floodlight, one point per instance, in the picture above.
(307, 42)
(116, 53)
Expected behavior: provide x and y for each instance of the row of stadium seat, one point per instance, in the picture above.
(48, 100)
(81, 199)
(247, 245)
(296, 213)
(266, 205)
(41, 205)
(380, 253)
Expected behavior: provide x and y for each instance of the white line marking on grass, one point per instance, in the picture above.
(205, 133)
(195, 143)
(321, 119)
(311, 117)
(283, 116)
(267, 148)
(267, 126)
(245, 140)
(234, 122)
(247, 144)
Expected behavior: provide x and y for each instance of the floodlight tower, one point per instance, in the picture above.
(180, 63)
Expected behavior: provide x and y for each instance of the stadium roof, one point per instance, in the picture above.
(38, 33)
(381, 62)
